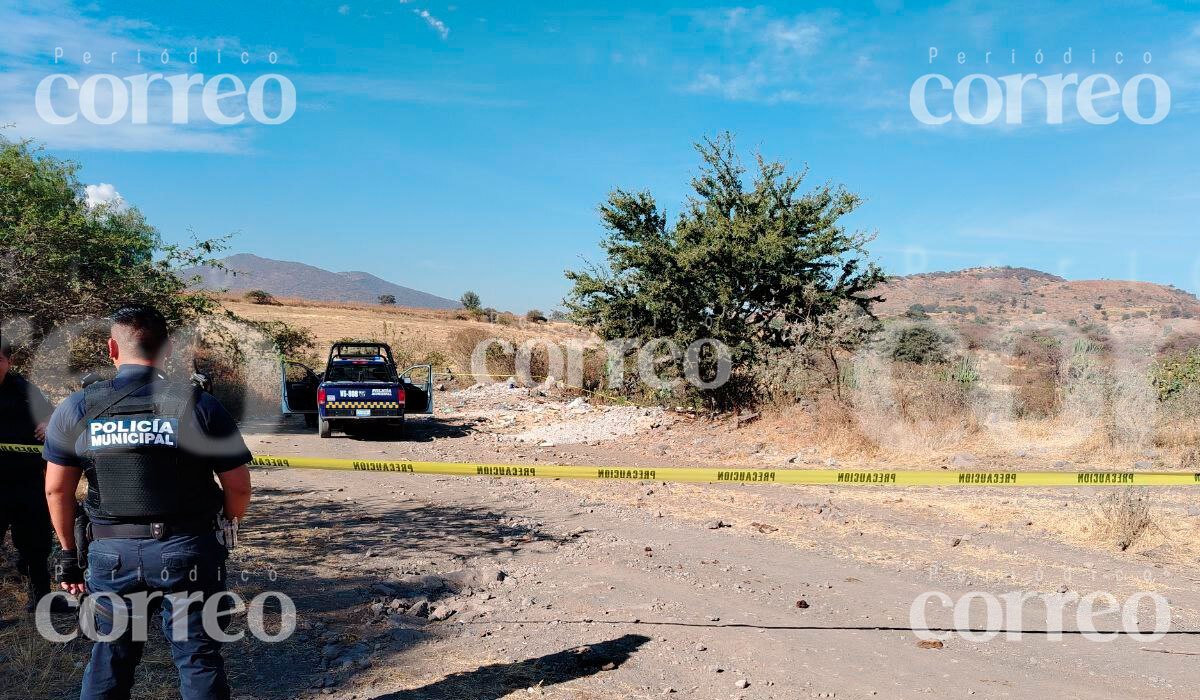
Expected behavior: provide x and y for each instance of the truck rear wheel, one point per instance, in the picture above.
(324, 429)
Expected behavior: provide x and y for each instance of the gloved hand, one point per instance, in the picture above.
(67, 570)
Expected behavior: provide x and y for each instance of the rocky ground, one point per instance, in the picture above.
(436, 587)
(416, 586)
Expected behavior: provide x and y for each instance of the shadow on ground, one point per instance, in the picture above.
(333, 558)
(416, 429)
(498, 680)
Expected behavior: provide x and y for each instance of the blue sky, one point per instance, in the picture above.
(456, 145)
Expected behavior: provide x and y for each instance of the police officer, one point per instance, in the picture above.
(149, 448)
(23, 415)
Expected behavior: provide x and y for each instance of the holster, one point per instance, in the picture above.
(83, 538)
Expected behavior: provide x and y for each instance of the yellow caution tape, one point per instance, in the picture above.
(827, 477)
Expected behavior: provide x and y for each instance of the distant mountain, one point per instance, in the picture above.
(292, 279)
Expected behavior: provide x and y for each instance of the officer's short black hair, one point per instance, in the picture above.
(140, 327)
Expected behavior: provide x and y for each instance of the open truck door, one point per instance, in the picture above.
(300, 385)
(418, 390)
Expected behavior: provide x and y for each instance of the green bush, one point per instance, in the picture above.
(258, 296)
(1176, 374)
(387, 299)
(920, 345)
(964, 371)
(61, 259)
(754, 260)
(289, 340)
(470, 301)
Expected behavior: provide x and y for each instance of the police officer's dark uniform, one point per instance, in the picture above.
(22, 499)
(149, 448)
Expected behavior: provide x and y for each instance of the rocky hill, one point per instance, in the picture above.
(1006, 292)
(292, 279)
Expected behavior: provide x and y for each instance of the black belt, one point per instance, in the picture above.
(147, 531)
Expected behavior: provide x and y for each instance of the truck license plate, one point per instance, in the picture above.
(363, 412)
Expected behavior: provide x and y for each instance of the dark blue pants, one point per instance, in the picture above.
(182, 565)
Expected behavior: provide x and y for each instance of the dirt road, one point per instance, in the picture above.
(432, 587)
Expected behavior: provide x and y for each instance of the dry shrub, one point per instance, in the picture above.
(911, 407)
(924, 395)
(784, 376)
(836, 428)
(1037, 374)
(463, 343)
(1178, 344)
(1178, 424)
(242, 363)
(410, 347)
(595, 369)
(1134, 411)
(1123, 517)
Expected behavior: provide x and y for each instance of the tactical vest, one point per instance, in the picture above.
(131, 455)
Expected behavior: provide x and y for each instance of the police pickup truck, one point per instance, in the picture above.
(360, 387)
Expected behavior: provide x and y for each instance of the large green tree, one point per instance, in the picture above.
(755, 265)
(61, 259)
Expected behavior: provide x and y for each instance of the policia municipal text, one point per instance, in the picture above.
(149, 448)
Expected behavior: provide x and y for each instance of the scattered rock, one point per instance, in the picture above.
(963, 459)
(716, 524)
(802, 604)
(701, 647)
(745, 418)
(1143, 464)
(930, 644)
(419, 608)
(956, 541)
(742, 684)
(764, 528)
(442, 612)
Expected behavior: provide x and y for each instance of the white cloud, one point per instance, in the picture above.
(436, 24)
(32, 32)
(104, 194)
(797, 35)
(764, 58)
(344, 10)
